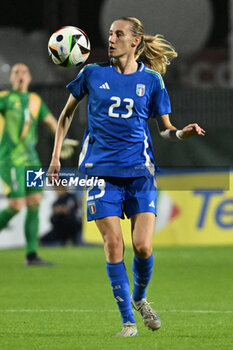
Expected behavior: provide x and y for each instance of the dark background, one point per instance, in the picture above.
(52, 14)
(209, 101)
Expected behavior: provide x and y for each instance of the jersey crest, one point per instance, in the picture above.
(140, 89)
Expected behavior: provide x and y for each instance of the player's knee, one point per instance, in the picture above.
(113, 246)
(142, 249)
(33, 199)
(17, 204)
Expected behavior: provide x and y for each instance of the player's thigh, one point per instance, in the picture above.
(142, 231)
(109, 228)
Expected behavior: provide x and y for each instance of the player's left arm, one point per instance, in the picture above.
(169, 131)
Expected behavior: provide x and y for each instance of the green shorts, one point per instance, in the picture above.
(14, 181)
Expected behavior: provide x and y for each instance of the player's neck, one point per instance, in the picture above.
(20, 90)
(125, 66)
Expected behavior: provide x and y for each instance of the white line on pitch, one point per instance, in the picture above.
(101, 311)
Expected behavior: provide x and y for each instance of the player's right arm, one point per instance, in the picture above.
(78, 89)
(63, 125)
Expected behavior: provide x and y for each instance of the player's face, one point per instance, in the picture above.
(20, 77)
(121, 40)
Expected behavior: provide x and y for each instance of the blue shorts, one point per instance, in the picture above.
(121, 196)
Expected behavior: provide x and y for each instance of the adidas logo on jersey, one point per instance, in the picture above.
(152, 204)
(104, 86)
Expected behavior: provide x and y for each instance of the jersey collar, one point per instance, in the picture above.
(140, 65)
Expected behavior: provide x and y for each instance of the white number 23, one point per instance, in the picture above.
(128, 106)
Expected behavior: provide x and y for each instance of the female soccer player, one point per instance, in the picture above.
(20, 112)
(122, 95)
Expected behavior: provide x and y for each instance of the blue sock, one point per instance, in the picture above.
(120, 286)
(142, 271)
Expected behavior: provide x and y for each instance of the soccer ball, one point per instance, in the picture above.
(69, 47)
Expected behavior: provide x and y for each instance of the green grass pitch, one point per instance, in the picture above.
(70, 306)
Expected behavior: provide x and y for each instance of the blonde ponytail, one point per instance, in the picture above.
(154, 51)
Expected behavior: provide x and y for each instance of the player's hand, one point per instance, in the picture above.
(68, 148)
(54, 168)
(191, 130)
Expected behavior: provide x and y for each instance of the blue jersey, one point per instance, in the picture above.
(117, 141)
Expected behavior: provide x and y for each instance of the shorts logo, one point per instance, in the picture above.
(35, 178)
(92, 207)
(140, 89)
(152, 204)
